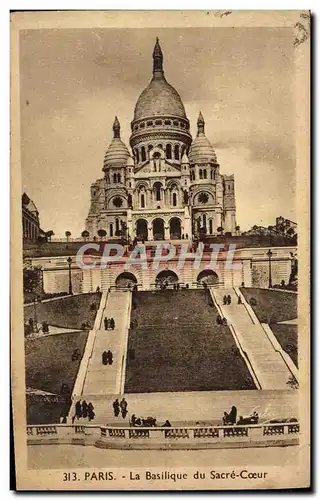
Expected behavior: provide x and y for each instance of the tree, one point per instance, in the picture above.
(102, 233)
(237, 229)
(220, 230)
(49, 234)
(85, 235)
(68, 234)
(32, 280)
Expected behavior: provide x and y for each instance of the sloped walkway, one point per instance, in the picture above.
(270, 368)
(100, 379)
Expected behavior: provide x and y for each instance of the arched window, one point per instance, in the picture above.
(210, 226)
(129, 184)
(204, 174)
(157, 188)
(143, 154)
(137, 155)
(174, 199)
(119, 178)
(168, 151)
(176, 152)
(150, 147)
(117, 225)
(114, 178)
(111, 229)
(211, 174)
(204, 219)
(200, 173)
(142, 201)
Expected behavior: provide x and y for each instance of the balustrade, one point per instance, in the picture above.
(205, 432)
(259, 432)
(235, 431)
(46, 430)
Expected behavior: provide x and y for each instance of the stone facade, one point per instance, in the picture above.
(169, 186)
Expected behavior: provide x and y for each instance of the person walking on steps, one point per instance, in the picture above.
(116, 407)
(112, 324)
(123, 406)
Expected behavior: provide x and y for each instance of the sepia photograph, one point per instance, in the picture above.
(160, 249)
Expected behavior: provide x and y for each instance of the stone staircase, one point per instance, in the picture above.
(270, 368)
(102, 380)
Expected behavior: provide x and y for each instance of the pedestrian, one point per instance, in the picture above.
(239, 300)
(123, 406)
(84, 412)
(106, 323)
(112, 324)
(105, 358)
(91, 413)
(229, 299)
(78, 410)
(225, 300)
(109, 357)
(116, 407)
(233, 415)
(178, 286)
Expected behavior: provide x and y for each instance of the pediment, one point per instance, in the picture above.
(156, 168)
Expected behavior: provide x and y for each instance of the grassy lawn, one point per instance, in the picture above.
(48, 366)
(179, 347)
(68, 312)
(287, 336)
(272, 306)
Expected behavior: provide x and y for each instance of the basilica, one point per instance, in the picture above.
(169, 185)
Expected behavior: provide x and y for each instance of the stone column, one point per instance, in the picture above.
(166, 231)
(150, 232)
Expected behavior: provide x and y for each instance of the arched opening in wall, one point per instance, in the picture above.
(177, 152)
(137, 155)
(114, 178)
(158, 229)
(150, 147)
(210, 227)
(119, 178)
(126, 280)
(111, 230)
(142, 201)
(175, 228)
(142, 229)
(209, 277)
(143, 154)
(166, 277)
(204, 174)
(174, 199)
(117, 227)
(157, 191)
(200, 173)
(204, 221)
(168, 151)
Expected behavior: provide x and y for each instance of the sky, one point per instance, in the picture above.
(74, 82)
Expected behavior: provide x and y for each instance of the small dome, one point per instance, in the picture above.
(159, 98)
(201, 150)
(130, 162)
(117, 153)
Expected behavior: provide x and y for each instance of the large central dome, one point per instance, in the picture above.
(159, 98)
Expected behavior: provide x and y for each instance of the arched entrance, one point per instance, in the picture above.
(126, 280)
(209, 277)
(158, 229)
(142, 229)
(167, 276)
(175, 228)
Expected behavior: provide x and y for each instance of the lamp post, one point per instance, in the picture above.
(269, 254)
(35, 319)
(69, 260)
